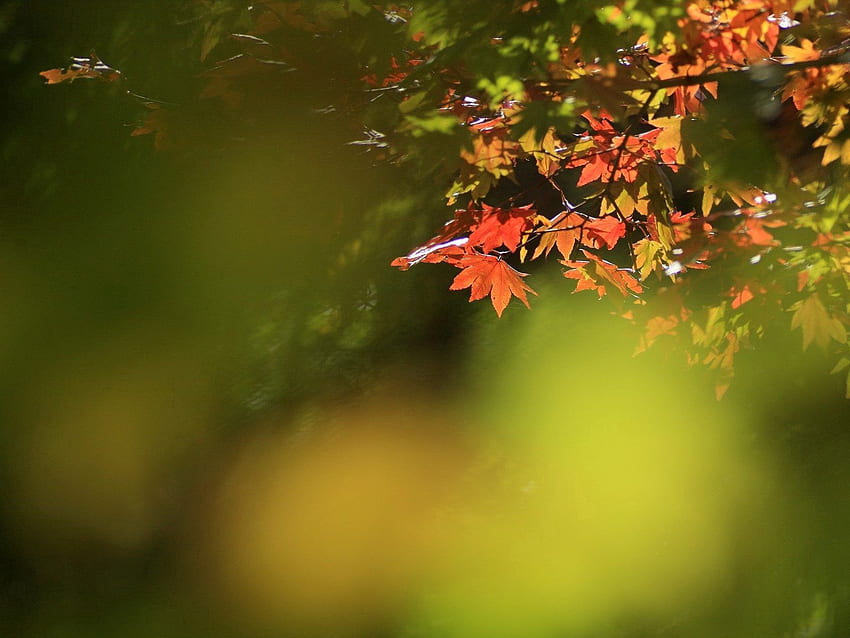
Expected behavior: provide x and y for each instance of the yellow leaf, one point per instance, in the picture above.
(708, 198)
(831, 153)
(544, 151)
(647, 254)
(562, 233)
(841, 365)
(671, 135)
(802, 53)
(621, 202)
(817, 324)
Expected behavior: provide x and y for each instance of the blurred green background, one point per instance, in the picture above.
(223, 414)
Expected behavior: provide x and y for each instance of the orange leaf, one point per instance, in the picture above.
(563, 233)
(606, 231)
(803, 53)
(621, 278)
(584, 280)
(489, 275)
(752, 232)
(464, 221)
(92, 67)
(450, 252)
(56, 76)
(501, 226)
(741, 296)
(156, 123)
(593, 275)
(595, 168)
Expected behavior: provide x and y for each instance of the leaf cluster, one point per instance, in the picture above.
(687, 158)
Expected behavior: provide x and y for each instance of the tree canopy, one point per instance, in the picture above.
(226, 413)
(687, 160)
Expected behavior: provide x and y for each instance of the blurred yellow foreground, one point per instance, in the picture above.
(567, 490)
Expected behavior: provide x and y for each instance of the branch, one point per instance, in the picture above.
(629, 84)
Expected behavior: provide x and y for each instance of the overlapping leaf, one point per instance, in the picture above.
(487, 275)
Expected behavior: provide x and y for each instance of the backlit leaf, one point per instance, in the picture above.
(606, 231)
(817, 324)
(562, 234)
(488, 275)
(501, 227)
(91, 68)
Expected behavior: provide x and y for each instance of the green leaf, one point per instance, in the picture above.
(432, 123)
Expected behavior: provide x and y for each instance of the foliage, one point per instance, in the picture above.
(688, 160)
(226, 415)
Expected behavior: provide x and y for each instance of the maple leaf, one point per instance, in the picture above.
(449, 252)
(722, 361)
(91, 68)
(604, 154)
(594, 168)
(593, 275)
(470, 180)
(649, 256)
(803, 84)
(562, 232)
(584, 280)
(155, 123)
(55, 76)
(817, 324)
(678, 64)
(669, 142)
(465, 219)
(488, 275)
(751, 232)
(836, 149)
(544, 151)
(618, 198)
(686, 226)
(742, 294)
(489, 228)
(605, 231)
(493, 152)
(658, 326)
(621, 278)
(501, 226)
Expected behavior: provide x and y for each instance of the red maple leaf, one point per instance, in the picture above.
(464, 221)
(741, 294)
(488, 275)
(501, 226)
(609, 155)
(489, 228)
(595, 166)
(450, 252)
(605, 231)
